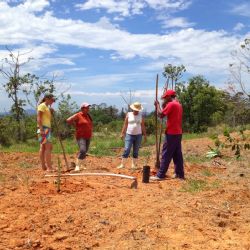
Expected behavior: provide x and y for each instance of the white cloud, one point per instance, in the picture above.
(210, 50)
(242, 9)
(132, 7)
(35, 5)
(239, 27)
(179, 22)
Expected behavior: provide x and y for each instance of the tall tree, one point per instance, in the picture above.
(200, 102)
(10, 70)
(35, 88)
(173, 75)
(240, 69)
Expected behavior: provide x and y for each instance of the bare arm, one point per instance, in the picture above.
(39, 121)
(124, 128)
(71, 120)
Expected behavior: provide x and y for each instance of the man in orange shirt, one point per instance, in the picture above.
(84, 128)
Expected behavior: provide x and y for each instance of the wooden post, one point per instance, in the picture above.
(157, 162)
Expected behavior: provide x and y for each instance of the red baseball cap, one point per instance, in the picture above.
(169, 92)
(85, 105)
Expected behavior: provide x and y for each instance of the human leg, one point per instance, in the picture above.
(42, 156)
(178, 159)
(83, 148)
(47, 154)
(168, 149)
(127, 148)
(136, 146)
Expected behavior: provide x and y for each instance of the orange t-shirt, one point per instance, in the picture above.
(84, 125)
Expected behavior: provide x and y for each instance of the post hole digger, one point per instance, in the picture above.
(68, 168)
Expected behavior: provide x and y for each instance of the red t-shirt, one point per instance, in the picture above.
(84, 125)
(173, 111)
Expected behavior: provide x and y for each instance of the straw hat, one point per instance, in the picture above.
(136, 106)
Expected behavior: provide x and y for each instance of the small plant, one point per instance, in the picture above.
(215, 152)
(237, 144)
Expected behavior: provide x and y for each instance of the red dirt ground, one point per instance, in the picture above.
(105, 213)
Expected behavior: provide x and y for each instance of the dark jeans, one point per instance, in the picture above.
(83, 146)
(132, 140)
(171, 150)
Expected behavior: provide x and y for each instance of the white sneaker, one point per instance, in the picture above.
(77, 168)
(156, 178)
(120, 166)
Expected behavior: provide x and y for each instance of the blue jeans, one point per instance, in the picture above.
(83, 146)
(171, 150)
(132, 140)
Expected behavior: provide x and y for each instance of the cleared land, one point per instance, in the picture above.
(209, 210)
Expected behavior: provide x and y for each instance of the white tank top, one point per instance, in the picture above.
(134, 124)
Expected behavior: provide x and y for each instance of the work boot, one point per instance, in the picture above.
(122, 165)
(134, 164)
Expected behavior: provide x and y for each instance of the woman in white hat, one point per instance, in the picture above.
(132, 131)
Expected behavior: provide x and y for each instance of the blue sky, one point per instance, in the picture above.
(102, 49)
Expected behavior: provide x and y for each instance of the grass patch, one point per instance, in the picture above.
(193, 136)
(2, 177)
(197, 185)
(215, 184)
(207, 172)
(193, 186)
(25, 165)
(195, 158)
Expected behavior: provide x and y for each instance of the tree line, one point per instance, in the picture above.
(203, 104)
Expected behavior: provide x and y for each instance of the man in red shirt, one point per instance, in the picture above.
(84, 127)
(173, 135)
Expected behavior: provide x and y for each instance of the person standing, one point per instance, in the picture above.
(132, 131)
(84, 129)
(173, 136)
(44, 115)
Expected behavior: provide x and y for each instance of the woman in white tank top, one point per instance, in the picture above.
(132, 131)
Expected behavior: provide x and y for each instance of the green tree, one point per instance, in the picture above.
(173, 75)
(66, 108)
(35, 88)
(201, 102)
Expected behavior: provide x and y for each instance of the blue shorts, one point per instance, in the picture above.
(46, 138)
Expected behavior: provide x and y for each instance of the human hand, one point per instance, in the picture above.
(122, 136)
(156, 103)
(145, 138)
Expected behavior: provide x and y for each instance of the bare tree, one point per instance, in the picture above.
(240, 69)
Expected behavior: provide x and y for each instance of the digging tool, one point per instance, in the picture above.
(134, 184)
(60, 141)
(157, 162)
